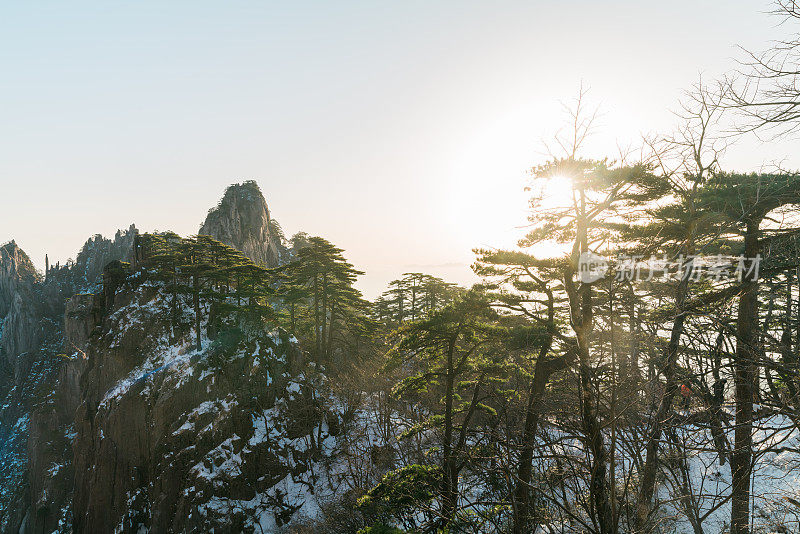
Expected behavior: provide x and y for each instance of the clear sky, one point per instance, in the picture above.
(401, 131)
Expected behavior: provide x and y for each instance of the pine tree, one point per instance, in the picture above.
(451, 349)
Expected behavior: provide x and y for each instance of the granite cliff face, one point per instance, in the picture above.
(18, 333)
(19, 314)
(17, 274)
(242, 220)
(40, 364)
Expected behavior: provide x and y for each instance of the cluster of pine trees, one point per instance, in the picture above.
(641, 396)
(312, 296)
(650, 397)
(540, 398)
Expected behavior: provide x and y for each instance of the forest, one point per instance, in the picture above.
(644, 374)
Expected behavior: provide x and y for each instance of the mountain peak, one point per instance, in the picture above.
(16, 269)
(242, 220)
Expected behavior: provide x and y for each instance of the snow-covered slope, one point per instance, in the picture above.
(233, 437)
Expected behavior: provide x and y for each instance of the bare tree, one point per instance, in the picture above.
(766, 88)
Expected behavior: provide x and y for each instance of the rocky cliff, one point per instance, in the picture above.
(112, 420)
(169, 438)
(40, 364)
(17, 275)
(242, 220)
(19, 311)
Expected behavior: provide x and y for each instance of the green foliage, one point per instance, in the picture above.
(403, 490)
(527, 337)
(224, 346)
(415, 296)
(381, 529)
(321, 303)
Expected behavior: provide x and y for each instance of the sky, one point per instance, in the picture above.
(400, 131)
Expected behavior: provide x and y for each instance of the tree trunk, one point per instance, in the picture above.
(449, 482)
(662, 414)
(323, 339)
(634, 374)
(660, 420)
(744, 377)
(541, 375)
(582, 319)
(599, 488)
(317, 346)
(329, 350)
(196, 302)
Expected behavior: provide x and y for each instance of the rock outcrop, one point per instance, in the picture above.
(97, 253)
(21, 334)
(242, 221)
(17, 275)
(81, 315)
(19, 310)
(42, 330)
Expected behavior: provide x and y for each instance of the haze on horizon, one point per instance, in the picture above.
(400, 132)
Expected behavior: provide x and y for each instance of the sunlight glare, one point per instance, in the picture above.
(556, 192)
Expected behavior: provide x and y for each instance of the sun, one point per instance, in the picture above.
(555, 192)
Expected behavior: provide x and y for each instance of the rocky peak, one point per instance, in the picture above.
(242, 220)
(16, 272)
(39, 387)
(99, 251)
